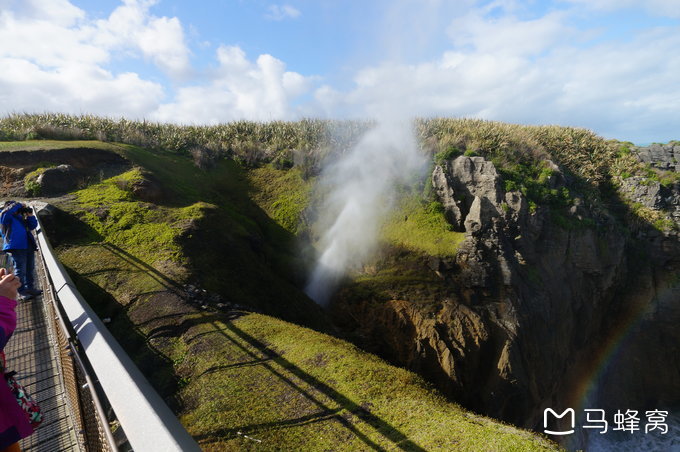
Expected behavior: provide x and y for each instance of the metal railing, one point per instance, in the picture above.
(80, 393)
(92, 362)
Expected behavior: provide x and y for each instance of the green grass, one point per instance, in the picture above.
(420, 226)
(295, 389)
(283, 194)
(206, 228)
(150, 232)
(287, 386)
(46, 145)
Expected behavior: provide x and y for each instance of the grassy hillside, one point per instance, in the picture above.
(232, 212)
(242, 381)
(237, 379)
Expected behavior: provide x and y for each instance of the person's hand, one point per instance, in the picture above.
(9, 284)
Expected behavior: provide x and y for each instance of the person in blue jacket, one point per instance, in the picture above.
(17, 221)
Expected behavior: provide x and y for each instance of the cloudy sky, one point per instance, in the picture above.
(612, 66)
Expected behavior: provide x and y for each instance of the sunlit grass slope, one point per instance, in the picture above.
(245, 381)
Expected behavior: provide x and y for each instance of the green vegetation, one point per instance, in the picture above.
(31, 182)
(533, 181)
(420, 226)
(283, 194)
(35, 145)
(287, 386)
(229, 225)
(449, 153)
(520, 153)
(248, 142)
(151, 232)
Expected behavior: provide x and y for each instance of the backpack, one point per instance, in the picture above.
(25, 401)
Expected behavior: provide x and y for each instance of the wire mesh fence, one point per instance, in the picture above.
(93, 430)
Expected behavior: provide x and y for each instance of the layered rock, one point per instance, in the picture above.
(532, 304)
(651, 194)
(665, 157)
(468, 188)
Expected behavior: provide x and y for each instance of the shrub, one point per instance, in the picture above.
(449, 154)
(204, 158)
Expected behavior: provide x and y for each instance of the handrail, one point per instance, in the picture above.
(148, 423)
(81, 398)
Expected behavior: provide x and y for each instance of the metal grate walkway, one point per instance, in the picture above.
(69, 362)
(32, 353)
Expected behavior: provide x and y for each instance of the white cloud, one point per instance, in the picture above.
(509, 34)
(77, 88)
(131, 27)
(58, 12)
(43, 42)
(61, 65)
(502, 61)
(538, 71)
(54, 58)
(238, 89)
(282, 12)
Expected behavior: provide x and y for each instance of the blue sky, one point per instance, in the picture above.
(612, 66)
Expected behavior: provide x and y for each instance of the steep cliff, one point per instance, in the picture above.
(538, 297)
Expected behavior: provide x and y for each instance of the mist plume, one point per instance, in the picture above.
(360, 186)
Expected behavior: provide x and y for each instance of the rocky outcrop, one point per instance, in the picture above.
(651, 194)
(535, 297)
(644, 191)
(148, 188)
(12, 181)
(665, 157)
(58, 180)
(468, 188)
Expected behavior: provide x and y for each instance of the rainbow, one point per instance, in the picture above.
(585, 389)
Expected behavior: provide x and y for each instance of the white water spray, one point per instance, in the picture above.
(361, 187)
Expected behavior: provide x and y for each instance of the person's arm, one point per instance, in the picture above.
(32, 221)
(8, 320)
(6, 216)
(8, 295)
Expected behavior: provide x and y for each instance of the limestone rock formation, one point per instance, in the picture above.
(661, 156)
(531, 303)
(468, 187)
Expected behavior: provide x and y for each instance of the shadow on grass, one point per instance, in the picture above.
(150, 271)
(157, 367)
(272, 361)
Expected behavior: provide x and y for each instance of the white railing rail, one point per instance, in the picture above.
(148, 423)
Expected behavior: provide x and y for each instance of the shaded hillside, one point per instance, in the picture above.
(179, 258)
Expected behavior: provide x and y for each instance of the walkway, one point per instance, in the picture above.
(32, 353)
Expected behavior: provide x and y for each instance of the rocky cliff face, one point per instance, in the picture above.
(534, 299)
(662, 156)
